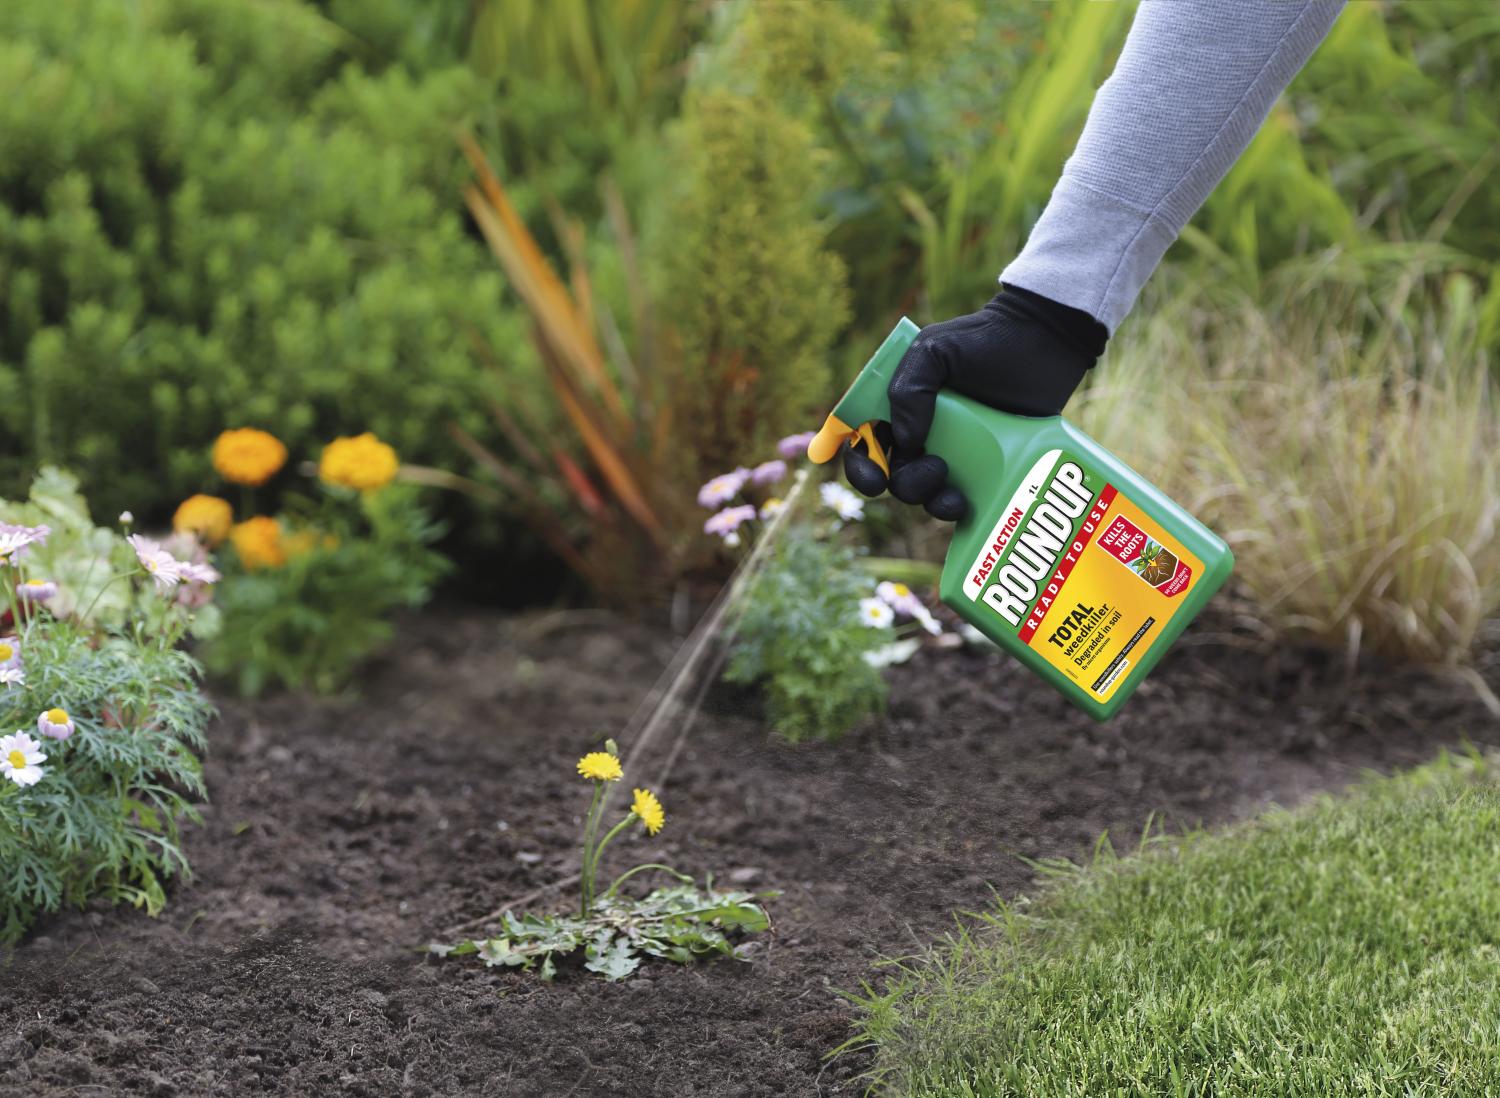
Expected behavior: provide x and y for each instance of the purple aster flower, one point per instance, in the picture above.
(16, 540)
(193, 572)
(768, 472)
(722, 488)
(728, 520)
(795, 446)
(36, 590)
(162, 566)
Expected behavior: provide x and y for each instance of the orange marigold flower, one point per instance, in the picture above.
(258, 542)
(209, 517)
(362, 462)
(247, 455)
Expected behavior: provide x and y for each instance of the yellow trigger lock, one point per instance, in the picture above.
(835, 432)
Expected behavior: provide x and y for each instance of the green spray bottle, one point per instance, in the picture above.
(1068, 558)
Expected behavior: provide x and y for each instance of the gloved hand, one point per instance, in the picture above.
(1021, 353)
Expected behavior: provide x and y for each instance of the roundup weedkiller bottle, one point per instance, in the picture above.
(1068, 558)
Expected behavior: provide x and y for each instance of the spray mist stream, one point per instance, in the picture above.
(679, 691)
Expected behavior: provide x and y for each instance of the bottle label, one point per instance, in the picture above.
(1080, 574)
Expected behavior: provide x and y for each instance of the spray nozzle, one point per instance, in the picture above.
(865, 403)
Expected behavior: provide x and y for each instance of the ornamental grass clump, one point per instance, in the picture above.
(613, 931)
(101, 718)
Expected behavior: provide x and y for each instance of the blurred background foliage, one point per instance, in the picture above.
(681, 223)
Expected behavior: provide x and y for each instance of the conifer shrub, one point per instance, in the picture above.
(753, 295)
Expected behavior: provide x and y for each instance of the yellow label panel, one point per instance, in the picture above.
(1110, 596)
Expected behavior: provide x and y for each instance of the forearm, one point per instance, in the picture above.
(1195, 80)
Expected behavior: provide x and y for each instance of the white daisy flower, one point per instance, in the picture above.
(924, 618)
(20, 761)
(896, 652)
(842, 501)
(876, 614)
(898, 597)
(729, 520)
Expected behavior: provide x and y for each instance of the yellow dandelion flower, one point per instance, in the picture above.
(600, 766)
(248, 456)
(209, 517)
(648, 810)
(258, 542)
(362, 462)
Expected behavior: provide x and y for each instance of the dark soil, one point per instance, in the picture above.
(342, 836)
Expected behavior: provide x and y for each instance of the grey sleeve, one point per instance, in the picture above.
(1194, 82)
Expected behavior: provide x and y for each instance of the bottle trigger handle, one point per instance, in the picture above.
(834, 433)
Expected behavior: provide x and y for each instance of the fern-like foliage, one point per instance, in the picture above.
(103, 820)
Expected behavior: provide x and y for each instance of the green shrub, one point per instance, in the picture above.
(798, 630)
(207, 218)
(101, 820)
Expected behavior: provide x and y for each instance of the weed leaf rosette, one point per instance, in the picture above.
(615, 932)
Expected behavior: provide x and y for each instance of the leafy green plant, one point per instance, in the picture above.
(799, 630)
(309, 594)
(305, 603)
(109, 717)
(805, 616)
(615, 932)
(79, 556)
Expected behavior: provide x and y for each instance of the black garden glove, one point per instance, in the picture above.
(1021, 353)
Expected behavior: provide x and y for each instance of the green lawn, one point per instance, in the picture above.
(1351, 947)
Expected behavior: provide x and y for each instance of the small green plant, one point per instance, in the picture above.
(615, 932)
(803, 631)
(309, 594)
(109, 721)
(811, 624)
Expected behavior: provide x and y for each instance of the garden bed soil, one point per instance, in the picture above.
(344, 835)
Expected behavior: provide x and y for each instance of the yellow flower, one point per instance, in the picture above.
(648, 810)
(207, 516)
(258, 542)
(248, 456)
(600, 766)
(362, 462)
